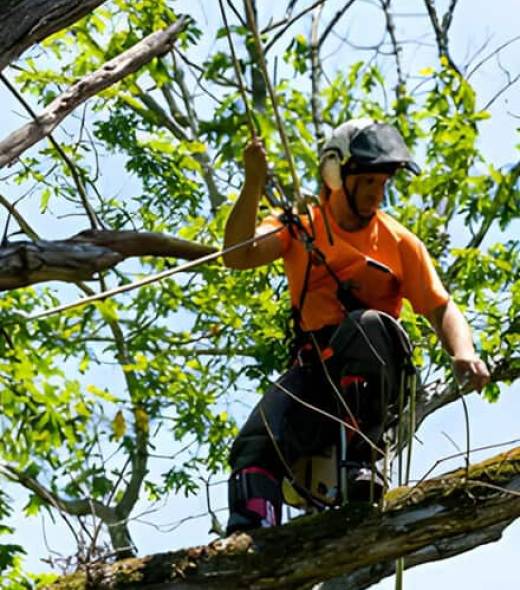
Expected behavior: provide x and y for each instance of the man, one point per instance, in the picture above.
(360, 259)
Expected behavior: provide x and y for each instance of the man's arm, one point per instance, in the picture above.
(241, 223)
(455, 335)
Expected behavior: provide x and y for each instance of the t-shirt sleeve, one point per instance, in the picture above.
(272, 222)
(421, 283)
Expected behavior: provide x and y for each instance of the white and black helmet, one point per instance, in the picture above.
(360, 146)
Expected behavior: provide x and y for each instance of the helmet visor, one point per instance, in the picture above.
(379, 147)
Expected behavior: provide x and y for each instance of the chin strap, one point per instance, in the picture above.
(351, 200)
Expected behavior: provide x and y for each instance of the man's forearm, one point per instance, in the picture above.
(453, 330)
(241, 222)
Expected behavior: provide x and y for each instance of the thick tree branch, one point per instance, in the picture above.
(111, 72)
(26, 22)
(441, 516)
(85, 254)
(443, 549)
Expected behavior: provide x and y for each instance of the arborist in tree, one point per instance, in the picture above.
(349, 265)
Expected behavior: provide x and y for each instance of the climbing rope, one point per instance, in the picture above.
(274, 102)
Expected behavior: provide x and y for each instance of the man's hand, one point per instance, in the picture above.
(471, 371)
(255, 163)
(455, 335)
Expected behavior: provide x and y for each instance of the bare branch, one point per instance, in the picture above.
(441, 30)
(316, 70)
(110, 73)
(491, 55)
(501, 91)
(215, 197)
(288, 23)
(333, 22)
(390, 27)
(24, 225)
(68, 162)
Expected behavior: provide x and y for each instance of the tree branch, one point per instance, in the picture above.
(441, 30)
(111, 72)
(316, 71)
(215, 197)
(333, 22)
(85, 254)
(20, 220)
(27, 22)
(289, 23)
(80, 187)
(390, 27)
(442, 516)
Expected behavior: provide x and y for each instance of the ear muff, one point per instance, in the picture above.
(331, 171)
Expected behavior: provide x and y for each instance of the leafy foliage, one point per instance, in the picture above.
(93, 399)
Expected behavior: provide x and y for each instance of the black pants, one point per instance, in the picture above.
(290, 429)
(372, 344)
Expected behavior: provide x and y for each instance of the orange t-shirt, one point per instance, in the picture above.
(383, 262)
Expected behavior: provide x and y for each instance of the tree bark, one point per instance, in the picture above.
(111, 72)
(85, 254)
(437, 518)
(26, 22)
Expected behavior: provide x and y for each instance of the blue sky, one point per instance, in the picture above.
(489, 566)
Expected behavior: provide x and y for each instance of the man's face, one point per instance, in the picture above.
(368, 190)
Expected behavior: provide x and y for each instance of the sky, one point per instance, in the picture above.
(442, 433)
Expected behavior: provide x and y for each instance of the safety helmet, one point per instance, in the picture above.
(360, 146)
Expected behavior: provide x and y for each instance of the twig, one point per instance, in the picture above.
(316, 70)
(390, 27)
(68, 162)
(24, 225)
(274, 101)
(441, 30)
(333, 22)
(236, 68)
(289, 23)
(501, 91)
(492, 54)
